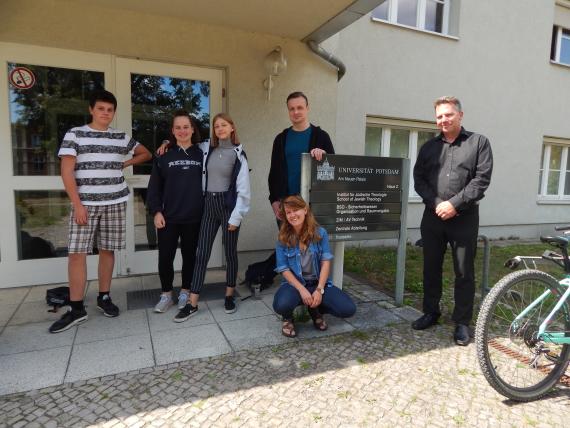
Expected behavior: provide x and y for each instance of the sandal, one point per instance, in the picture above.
(288, 329)
(318, 321)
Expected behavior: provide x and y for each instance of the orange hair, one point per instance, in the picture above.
(310, 229)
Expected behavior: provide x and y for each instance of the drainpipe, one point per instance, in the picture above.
(328, 57)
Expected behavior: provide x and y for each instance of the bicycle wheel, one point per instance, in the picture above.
(514, 362)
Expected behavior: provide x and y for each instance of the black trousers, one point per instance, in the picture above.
(460, 233)
(168, 238)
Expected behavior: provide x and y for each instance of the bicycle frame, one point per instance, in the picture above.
(549, 336)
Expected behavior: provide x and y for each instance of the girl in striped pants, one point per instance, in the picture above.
(227, 199)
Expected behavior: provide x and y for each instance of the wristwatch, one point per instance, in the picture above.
(322, 290)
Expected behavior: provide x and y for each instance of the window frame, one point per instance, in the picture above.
(544, 170)
(558, 43)
(420, 16)
(414, 127)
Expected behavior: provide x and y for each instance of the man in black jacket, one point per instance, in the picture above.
(451, 174)
(302, 137)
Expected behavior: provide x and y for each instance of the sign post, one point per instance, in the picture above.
(359, 198)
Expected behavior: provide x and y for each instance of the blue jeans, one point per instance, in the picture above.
(335, 301)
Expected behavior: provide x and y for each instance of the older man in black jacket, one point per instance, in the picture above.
(451, 174)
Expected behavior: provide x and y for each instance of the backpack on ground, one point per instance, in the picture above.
(57, 297)
(260, 275)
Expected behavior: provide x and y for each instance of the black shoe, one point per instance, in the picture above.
(105, 305)
(462, 335)
(185, 313)
(230, 305)
(68, 320)
(425, 321)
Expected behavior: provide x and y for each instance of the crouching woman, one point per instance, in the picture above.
(304, 260)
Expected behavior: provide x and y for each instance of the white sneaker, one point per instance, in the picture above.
(164, 303)
(182, 300)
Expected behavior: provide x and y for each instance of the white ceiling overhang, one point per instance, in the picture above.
(295, 19)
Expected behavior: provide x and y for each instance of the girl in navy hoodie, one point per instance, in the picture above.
(175, 200)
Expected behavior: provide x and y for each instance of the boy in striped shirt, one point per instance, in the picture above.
(92, 163)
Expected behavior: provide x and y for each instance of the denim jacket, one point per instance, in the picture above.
(289, 258)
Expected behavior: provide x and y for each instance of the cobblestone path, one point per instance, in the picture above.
(391, 377)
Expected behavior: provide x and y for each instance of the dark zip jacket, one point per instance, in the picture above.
(277, 180)
(175, 186)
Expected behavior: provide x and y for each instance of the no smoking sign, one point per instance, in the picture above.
(22, 78)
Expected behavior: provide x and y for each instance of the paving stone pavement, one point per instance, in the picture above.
(385, 377)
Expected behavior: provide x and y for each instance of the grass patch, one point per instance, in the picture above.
(199, 404)
(378, 265)
(304, 365)
(177, 376)
(530, 421)
(459, 419)
(359, 334)
(301, 314)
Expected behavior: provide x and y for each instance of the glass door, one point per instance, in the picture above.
(43, 93)
(148, 94)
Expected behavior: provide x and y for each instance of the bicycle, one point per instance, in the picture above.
(523, 328)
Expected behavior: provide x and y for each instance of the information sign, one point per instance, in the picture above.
(357, 197)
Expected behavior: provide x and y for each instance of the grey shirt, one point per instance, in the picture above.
(307, 265)
(220, 166)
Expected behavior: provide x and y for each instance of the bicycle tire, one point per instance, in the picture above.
(504, 349)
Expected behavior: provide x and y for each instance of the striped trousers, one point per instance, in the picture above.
(215, 215)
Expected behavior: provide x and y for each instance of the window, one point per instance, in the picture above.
(554, 174)
(41, 217)
(154, 98)
(560, 51)
(44, 103)
(428, 15)
(397, 138)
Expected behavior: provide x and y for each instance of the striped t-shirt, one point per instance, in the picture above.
(99, 164)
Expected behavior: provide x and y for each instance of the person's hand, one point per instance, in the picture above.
(80, 215)
(232, 227)
(163, 148)
(317, 298)
(445, 210)
(277, 210)
(159, 221)
(306, 296)
(318, 154)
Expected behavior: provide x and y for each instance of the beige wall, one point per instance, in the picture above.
(499, 67)
(67, 25)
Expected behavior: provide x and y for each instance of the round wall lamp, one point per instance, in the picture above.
(275, 64)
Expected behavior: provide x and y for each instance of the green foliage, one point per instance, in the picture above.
(358, 334)
(378, 265)
(176, 376)
(301, 314)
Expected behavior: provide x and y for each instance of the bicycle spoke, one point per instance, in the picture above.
(515, 360)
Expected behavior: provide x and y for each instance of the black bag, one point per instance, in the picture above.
(57, 297)
(259, 276)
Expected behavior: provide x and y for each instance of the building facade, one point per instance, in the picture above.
(508, 62)
(156, 57)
